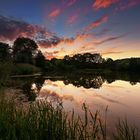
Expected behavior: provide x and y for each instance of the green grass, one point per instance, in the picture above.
(43, 121)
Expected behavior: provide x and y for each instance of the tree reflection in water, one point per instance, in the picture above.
(86, 82)
(32, 86)
(29, 86)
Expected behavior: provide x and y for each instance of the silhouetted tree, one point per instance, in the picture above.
(109, 63)
(134, 64)
(24, 50)
(4, 52)
(40, 60)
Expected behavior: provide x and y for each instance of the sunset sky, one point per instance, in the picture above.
(68, 27)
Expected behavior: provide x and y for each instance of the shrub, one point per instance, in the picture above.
(21, 69)
(5, 72)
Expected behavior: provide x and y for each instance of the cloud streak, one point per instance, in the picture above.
(56, 12)
(74, 16)
(99, 4)
(81, 44)
(108, 40)
(124, 5)
(96, 23)
(59, 9)
(71, 2)
(119, 4)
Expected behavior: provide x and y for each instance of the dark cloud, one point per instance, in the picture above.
(108, 39)
(102, 32)
(11, 28)
(126, 4)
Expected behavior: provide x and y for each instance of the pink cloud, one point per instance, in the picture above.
(121, 4)
(59, 9)
(71, 2)
(99, 4)
(54, 13)
(72, 19)
(97, 23)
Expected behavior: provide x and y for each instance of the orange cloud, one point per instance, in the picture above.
(69, 46)
(98, 4)
(80, 44)
(54, 13)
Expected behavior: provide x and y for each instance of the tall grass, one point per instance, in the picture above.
(125, 132)
(43, 121)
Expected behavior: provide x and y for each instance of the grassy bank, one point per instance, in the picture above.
(9, 69)
(42, 121)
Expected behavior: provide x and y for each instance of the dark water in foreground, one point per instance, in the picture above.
(121, 93)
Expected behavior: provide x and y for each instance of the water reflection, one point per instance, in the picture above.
(86, 82)
(31, 86)
(28, 86)
(120, 92)
(121, 97)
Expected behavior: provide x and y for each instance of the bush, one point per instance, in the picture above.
(5, 72)
(21, 69)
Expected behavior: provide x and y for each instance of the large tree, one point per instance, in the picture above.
(4, 52)
(24, 50)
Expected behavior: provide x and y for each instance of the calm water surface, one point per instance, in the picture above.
(121, 94)
(121, 97)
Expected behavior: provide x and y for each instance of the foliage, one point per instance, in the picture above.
(83, 62)
(24, 50)
(22, 58)
(4, 52)
(40, 60)
(5, 72)
(23, 69)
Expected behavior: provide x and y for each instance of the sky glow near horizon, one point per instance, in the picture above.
(68, 27)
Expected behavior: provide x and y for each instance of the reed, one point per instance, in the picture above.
(43, 121)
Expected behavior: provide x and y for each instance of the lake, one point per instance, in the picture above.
(119, 92)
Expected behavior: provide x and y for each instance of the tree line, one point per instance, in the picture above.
(26, 51)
